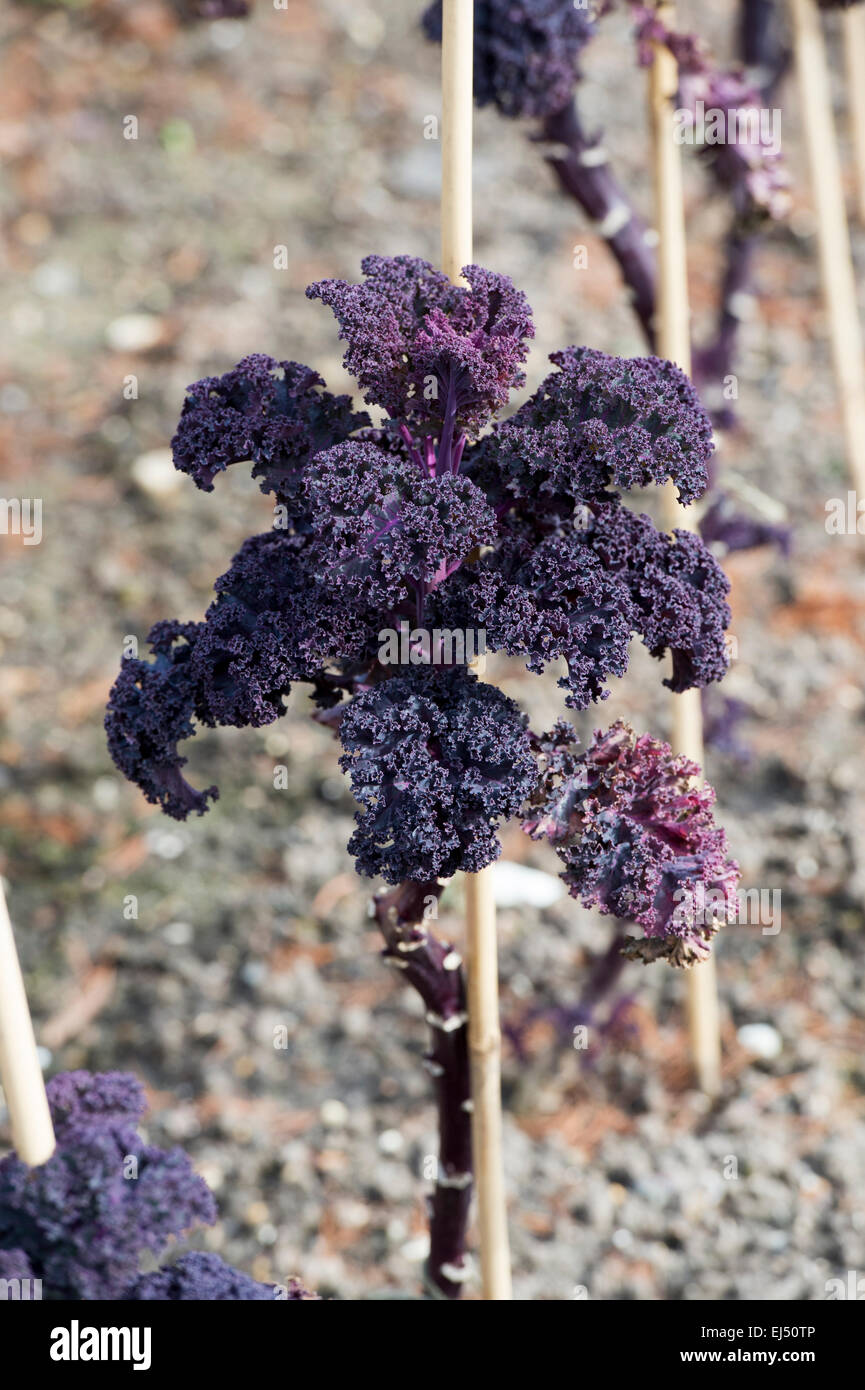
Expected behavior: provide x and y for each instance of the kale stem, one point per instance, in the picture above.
(435, 971)
(446, 441)
(584, 172)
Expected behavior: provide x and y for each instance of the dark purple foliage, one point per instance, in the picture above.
(678, 592)
(544, 601)
(521, 537)
(526, 52)
(14, 1264)
(274, 413)
(426, 350)
(149, 712)
(78, 1097)
(517, 540)
(601, 422)
(436, 758)
(636, 834)
(579, 592)
(746, 161)
(273, 622)
(384, 530)
(104, 1197)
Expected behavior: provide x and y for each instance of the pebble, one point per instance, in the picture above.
(334, 1114)
(761, 1039)
(390, 1141)
(516, 885)
(155, 474)
(135, 332)
(178, 933)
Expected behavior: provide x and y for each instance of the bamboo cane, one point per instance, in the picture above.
(833, 237)
(457, 90)
(854, 52)
(485, 1062)
(481, 944)
(20, 1072)
(674, 343)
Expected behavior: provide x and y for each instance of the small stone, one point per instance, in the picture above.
(351, 1215)
(416, 1250)
(155, 474)
(135, 332)
(761, 1039)
(390, 1141)
(178, 933)
(166, 844)
(334, 1114)
(516, 885)
(106, 793)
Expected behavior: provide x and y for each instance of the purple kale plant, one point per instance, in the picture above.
(81, 1222)
(442, 516)
(526, 52)
(443, 521)
(637, 836)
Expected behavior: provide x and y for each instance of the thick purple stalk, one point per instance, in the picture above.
(764, 51)
(604, 974)
(584, 172)
(714, 363)
(603, 977)
(434, 969)
(763, 42)
(449, 441)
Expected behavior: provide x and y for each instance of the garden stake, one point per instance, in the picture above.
(481, 945)
(674, 343)
(20, 1072)
(833, 236)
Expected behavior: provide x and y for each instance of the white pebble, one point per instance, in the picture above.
(178, 933)
(134, 332)
(515, 885)
(761, 1039)
(416, 1250)
(154, 472)
(166, 843)
(334, 1114)
(390, 1141)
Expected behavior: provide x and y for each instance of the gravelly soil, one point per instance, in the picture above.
(304, 128)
